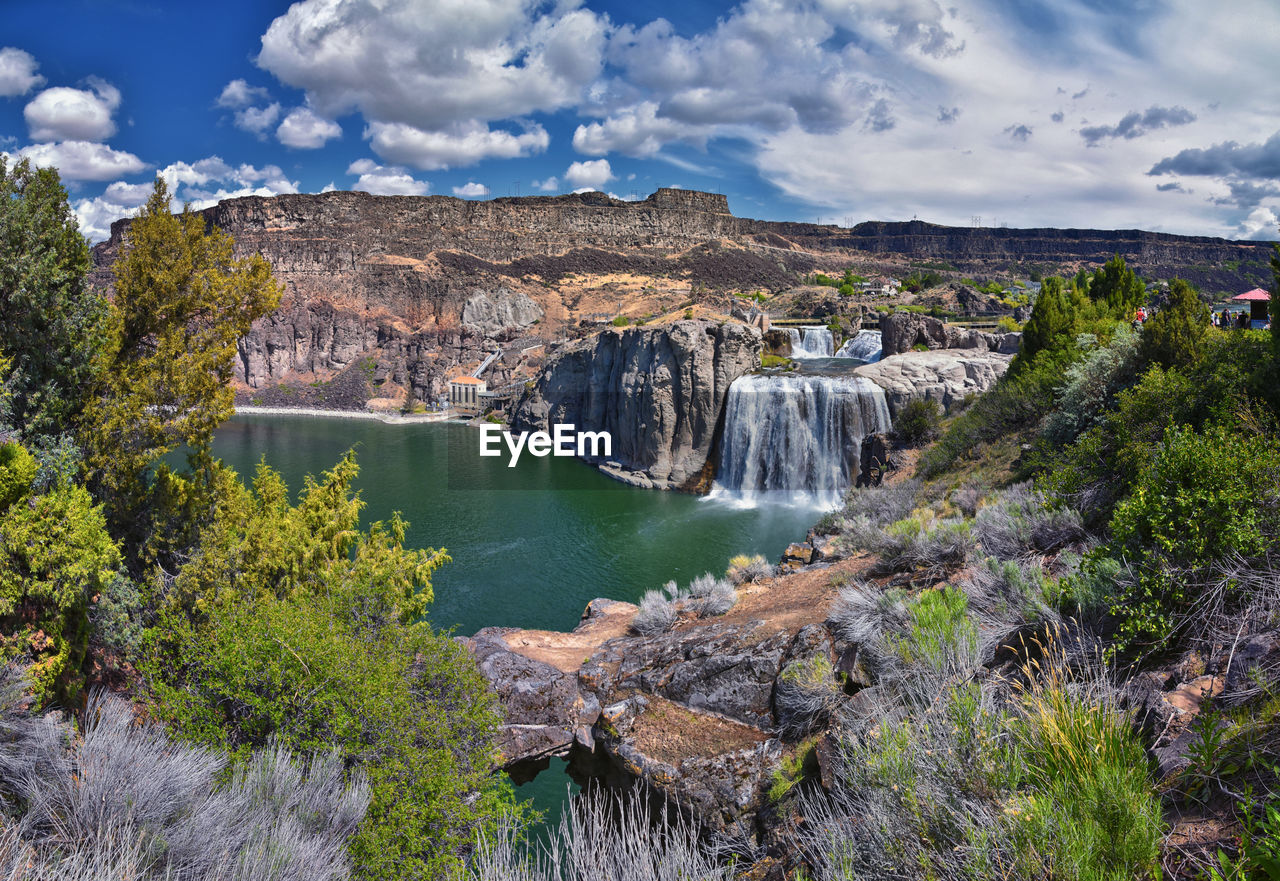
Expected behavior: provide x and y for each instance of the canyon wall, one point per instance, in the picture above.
(426, 287)
(659, 393)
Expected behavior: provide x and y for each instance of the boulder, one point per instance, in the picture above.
(945, 376)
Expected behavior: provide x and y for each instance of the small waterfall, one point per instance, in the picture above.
(811, 342)
(865, 346)
(796, 439)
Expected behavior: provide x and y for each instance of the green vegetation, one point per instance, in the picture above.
(769, 361)
(918, 422)
(259, 628)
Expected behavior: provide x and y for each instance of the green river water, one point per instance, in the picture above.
(531, 545)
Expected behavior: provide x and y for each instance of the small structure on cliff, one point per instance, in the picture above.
(465, 392)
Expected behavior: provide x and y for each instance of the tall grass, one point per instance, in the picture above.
(119, 800)
(599, 838)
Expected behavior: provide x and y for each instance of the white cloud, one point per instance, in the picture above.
(330, 187)
(257, 119)
(127, 195)
(200, 184)
(304, 130)
(17, 72)
(81, 160)
(238, 93)
(433, 65)
(471, 190)
(593, 174)
(383, 180)
(462, 145)
(65, 114)
(550, 185)
(95, 216)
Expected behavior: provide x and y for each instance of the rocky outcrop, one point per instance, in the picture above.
(496, 313)
(426, 286)
(690, 712)
(658, 392)
(944, 375)
(903, 331)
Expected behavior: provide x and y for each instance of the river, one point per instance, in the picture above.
(531, 545)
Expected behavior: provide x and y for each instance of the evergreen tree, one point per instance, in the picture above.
(1118, 287)
(1174, 336)
(182, 300)
(1050, 322)
(51, 324)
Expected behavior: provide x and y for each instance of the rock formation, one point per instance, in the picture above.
(944, 375)
(426, 287)
(659, 392)
(903, 331)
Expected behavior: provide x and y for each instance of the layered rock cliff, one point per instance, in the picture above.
(427, 287)
(659, 393)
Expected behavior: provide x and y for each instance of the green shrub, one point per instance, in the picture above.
(405, 705)
(1203, 498)
(17, 472)
(620, 321)
(940, 634)
(1089, 810)
(55, 555)
(919, 422)
(768, 361)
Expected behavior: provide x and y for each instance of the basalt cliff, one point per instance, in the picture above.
(404, 292)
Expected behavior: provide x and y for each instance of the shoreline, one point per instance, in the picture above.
(387, 418)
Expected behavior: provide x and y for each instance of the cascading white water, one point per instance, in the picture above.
(796, 439)
(811, 342)
(865, 346)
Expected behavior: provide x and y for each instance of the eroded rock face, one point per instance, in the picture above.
(658, 392)
(902, 331)
(498, 312)
(945, 375)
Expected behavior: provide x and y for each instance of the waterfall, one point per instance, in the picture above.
(811, 342)
(796, 439)
(865, 346)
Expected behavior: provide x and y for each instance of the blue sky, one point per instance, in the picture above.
(1157, 114)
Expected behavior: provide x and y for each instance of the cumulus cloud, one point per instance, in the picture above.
(82, 160)
(550, 185)
(1135, 124)
(763, 68)
(17, 73)
(1258, 161)
(1057, 116)
(386, 180)
(462, 145)
(471, 190)
(636, 131)
(880, 117)
(304, 130)
(1018, 132)
(433, 65)
(592, 174)
(238, 93)
(127, 195)
(65, 114)
(200, 184)
(257, 119)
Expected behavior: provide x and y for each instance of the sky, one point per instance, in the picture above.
(1115, 114)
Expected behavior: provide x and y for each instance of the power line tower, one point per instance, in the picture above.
(976, 221)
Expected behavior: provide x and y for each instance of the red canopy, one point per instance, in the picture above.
(1255, 294)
